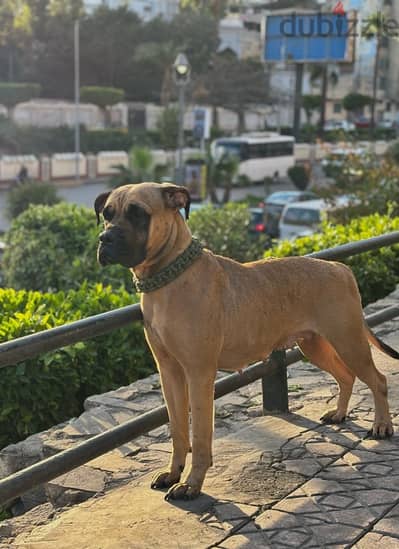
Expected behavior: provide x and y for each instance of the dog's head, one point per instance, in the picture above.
(137, 220)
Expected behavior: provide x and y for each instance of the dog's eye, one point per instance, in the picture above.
(137, 215)
(108, 213)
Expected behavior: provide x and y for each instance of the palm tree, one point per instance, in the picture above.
(374, 30)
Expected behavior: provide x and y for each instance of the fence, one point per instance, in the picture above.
(272, 372)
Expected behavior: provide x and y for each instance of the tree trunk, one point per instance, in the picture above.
(215, 117)
(241, 120)
(324, 90)
(11, 64)
(375, 87)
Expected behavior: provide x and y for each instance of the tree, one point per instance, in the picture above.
(299, 176)
(373, 30)
(15, 29)
(72, 8)
(158, 57)
(12, 93)
(216, 8)
(355, 102)
(20, 198)
(142, 163)
(311, 103)
(168, 127)
(233, 83)
(321, 71)
(103, 97)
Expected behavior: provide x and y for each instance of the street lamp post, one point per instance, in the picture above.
(77, 100)
(181, 73)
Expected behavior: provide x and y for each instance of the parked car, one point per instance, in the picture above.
(274, 205)
(345, 125)
(304, 218)
(362, 122)
(387, 124)
(257, 225)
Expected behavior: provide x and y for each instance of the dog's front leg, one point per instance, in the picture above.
(201, 393)
(175, 392)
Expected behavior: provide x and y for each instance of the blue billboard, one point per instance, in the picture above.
(308, 37)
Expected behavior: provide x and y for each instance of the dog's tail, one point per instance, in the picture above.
(377, 342)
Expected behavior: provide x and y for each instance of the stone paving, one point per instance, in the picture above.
(278, 481)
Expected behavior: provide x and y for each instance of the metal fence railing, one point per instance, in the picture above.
(272, 372)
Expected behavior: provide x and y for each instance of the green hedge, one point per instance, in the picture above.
(377, 272)
(52, 248)
(225, 231)
(44, 391)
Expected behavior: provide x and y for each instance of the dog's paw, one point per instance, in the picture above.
(380, 430)
(182, 490)
(333, 417)
(164, 479)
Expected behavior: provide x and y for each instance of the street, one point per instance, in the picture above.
(85, 194)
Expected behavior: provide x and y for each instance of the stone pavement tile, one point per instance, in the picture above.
(297, 505)
(324, 449)
(232, 511)
(341, 473)
(331, 502)
(335, 535)
(319, 486)
(277, 520)
(389, 526)
(377, 497)
(82, 478)
(360, 517)
(253, 540)
(394, 512)
(294, 537)
(111, 462)
(373, 540)
(306, 467)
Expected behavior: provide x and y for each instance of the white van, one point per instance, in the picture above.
(304, 218)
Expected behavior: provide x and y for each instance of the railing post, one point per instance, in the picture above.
(275, 386)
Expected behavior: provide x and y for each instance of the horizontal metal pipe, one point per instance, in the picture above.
(16, 350)
(12, 352)
(355, 248)
(54, 466)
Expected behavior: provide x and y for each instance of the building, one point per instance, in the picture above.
(240, 33)
(145, 9)
(344, 78)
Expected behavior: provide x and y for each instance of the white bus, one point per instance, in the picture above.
(260, 154)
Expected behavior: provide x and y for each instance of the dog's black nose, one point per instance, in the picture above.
(106, 237)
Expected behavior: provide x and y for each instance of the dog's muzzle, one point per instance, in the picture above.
(111, 246)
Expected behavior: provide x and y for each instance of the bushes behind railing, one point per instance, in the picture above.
(52, 248)
(377, 272)
(49, 389)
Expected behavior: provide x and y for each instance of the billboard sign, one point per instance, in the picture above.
(309, 37)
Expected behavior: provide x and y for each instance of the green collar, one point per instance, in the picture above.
(171, 271)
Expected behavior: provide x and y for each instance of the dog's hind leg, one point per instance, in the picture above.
(321, 353)
(353, 348)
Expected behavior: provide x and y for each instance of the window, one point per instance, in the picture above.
(337, 108)
(301, 216)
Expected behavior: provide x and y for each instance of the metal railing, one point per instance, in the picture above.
(272, 372)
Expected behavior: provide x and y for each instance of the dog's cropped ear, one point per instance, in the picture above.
(99, 204)
(176, 197)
